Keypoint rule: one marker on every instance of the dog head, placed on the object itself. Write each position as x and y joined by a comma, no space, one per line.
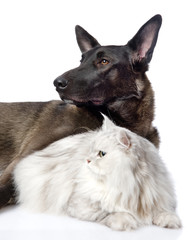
109,72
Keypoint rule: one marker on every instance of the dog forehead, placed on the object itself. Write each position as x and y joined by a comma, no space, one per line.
107,51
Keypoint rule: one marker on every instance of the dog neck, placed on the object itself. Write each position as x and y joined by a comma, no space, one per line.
121,111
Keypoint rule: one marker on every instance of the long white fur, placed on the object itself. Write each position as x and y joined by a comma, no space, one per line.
125,189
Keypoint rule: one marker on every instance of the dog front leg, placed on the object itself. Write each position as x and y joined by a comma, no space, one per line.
7,194
7,190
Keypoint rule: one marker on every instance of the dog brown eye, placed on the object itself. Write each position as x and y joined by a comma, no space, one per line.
104,62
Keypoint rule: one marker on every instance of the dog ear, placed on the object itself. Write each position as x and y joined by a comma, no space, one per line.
143,43
85,40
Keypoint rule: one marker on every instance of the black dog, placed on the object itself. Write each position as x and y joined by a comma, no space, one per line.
110,79
113,79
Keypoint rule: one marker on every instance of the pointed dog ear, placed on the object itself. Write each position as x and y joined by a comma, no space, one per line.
85,40
143,43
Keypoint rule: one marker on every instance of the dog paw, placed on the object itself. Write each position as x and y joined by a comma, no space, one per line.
121,222
167,220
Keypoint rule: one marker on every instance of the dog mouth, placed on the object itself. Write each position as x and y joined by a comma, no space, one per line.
79,101
98,101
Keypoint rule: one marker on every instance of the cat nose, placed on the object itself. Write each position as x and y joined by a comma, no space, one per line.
88,161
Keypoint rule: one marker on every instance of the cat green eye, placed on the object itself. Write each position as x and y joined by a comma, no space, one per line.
101,154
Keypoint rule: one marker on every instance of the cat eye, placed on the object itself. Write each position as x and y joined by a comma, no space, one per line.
101,154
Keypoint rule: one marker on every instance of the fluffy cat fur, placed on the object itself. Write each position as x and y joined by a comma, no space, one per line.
111,176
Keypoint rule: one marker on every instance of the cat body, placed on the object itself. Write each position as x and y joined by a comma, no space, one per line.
110,175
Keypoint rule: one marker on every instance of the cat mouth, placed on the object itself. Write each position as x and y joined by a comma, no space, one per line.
96,173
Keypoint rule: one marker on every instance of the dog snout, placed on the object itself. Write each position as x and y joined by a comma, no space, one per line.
60,83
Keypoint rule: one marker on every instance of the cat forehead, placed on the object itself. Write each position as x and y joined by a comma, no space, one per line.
108,133
106,138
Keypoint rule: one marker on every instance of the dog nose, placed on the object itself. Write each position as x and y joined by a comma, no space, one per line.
60,83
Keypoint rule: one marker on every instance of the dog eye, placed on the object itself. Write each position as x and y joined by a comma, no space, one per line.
101,154
104,62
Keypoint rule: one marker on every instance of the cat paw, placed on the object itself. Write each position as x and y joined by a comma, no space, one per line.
167,220
121,222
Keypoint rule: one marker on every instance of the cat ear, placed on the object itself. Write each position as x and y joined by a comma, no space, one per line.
107,123
123,139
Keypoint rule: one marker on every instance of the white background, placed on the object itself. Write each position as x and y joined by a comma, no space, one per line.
37,44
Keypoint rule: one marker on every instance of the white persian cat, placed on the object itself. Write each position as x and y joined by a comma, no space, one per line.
111,176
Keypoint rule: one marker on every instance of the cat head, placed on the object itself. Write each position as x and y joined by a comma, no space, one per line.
110,146
121,133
